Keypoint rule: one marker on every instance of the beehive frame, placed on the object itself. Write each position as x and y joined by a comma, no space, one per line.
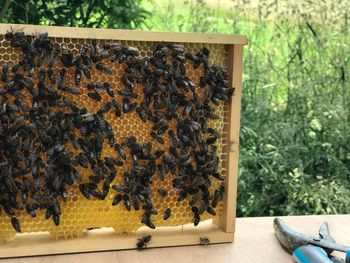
223,227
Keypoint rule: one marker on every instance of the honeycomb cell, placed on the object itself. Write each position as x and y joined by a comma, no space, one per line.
77,212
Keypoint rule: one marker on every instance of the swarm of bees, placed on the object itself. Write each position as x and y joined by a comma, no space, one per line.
39,122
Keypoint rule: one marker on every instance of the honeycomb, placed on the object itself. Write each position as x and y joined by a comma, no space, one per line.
79,213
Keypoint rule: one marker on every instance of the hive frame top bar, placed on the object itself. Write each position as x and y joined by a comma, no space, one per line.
131,35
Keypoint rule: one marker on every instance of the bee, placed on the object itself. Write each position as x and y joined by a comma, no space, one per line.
149,208
95,96
174,142
127,106
15,224
110,161
115,58
178,48
96,85
66,56
15,68
147,220
182,195
56,219
127,94
142,242
110,136
52,60
218,176
3,91
77,76
204,241
167,214
61,80
86,189
127,83
9,211
4,72
95,179
105,108
211,211
116,108
109,89
155,136
162,192
141,114
169,163
104,54
42,76
174,152
117,199
107,183
71,90
127,202
86,72
48,213
11,34
196,216
135,202
158,153
213,137
88,117
103,68
6,173
85,48
133,51
114,46
161,172
129,142
99,195
56,208
51,75
161,127
205,51
82,160
17,38
218,196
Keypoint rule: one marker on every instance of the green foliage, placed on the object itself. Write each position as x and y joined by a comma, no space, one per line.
94,13
295,119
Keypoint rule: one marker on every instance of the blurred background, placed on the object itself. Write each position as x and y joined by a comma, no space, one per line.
295,129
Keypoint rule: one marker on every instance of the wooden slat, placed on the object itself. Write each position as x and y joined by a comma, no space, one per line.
132,35
254,242
227,221
106,240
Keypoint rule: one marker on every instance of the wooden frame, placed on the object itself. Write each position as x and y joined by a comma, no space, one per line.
222,228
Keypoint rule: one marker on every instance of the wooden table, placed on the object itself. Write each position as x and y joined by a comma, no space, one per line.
254,242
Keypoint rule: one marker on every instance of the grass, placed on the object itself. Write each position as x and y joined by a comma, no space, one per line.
295,142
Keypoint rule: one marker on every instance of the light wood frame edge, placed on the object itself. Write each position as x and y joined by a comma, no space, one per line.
227,221
130,35
35,244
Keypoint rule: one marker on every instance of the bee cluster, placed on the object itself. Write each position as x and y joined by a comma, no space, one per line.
47,138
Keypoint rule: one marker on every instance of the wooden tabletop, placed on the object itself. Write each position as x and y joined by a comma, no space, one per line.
254,242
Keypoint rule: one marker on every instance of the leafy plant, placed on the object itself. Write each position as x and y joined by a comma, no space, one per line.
94,13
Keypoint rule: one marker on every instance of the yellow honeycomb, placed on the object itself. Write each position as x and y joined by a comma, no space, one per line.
78,213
